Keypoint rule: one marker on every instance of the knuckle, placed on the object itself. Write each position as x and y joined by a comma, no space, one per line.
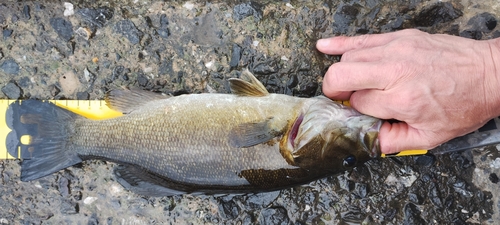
360,41
347,56
412,31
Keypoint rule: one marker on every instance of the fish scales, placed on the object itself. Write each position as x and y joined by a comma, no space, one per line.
190,146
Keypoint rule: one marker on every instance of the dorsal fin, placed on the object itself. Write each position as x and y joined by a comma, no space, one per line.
127,100
252,87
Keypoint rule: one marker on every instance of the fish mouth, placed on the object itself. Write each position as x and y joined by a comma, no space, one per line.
295,130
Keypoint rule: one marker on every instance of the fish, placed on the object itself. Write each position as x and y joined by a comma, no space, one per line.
248,141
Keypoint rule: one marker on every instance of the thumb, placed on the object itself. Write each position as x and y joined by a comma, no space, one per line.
396,137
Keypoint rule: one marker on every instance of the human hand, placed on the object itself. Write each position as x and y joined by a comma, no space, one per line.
439,86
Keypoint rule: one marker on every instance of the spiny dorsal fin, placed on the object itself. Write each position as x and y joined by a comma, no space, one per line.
252,87
127,100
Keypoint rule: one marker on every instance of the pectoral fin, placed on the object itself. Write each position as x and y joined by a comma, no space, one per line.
249,87
250,134
127,100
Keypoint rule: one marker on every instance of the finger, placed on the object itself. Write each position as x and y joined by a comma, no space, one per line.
340,45
371,54
400,136
337,95
353,76
375,103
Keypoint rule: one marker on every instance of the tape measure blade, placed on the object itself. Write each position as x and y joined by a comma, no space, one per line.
5,130
92,109
469,141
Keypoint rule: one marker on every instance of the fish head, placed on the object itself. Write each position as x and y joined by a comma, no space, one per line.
330,137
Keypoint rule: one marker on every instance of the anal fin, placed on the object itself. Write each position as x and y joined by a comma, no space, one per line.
142,182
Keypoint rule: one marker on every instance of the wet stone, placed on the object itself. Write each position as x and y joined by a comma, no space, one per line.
484,22
229,209
361,190
63,28
96,18
244,10
425,160
127,29
6,33
293,81
344,16
440,12
390,214
412,215
10,66
309,89
471,34
142,80
261,199
274,216
265,67
235,56
493,178
12,91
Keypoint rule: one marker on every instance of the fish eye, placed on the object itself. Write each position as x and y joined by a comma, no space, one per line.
349,161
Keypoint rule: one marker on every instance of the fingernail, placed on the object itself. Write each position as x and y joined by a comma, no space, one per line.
322,43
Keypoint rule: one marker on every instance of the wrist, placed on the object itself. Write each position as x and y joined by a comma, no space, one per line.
492,70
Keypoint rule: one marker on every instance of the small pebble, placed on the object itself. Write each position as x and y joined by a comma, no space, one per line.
188,5
89,200
495,164
127,29
26,12
10,66
96,18
493,178
54,90
82,95
440,12
84,33
484,22
7,33
12,91
14,18
68,9
63,28
235,56
244,10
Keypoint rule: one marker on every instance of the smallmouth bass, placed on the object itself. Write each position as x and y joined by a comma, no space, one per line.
248,141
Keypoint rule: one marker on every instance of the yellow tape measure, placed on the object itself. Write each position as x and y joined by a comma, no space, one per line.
98,110
92,109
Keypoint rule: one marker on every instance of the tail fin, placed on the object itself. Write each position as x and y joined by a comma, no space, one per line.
49,128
